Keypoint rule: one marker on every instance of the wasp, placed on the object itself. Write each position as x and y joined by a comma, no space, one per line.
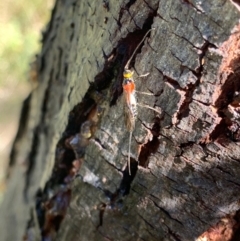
129,90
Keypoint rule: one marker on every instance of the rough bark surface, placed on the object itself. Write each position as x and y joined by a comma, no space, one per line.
68,178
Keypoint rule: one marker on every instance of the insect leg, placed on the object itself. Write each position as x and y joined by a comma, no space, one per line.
149,107
144,93
143,75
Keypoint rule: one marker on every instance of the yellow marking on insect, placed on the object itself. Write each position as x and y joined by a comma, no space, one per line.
127,74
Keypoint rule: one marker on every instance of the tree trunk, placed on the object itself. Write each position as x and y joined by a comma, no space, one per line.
68,176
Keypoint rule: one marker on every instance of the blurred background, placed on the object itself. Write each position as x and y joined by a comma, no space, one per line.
21,26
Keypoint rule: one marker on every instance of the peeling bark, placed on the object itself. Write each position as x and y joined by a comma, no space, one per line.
68,178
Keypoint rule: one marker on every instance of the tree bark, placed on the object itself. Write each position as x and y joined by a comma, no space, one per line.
68,176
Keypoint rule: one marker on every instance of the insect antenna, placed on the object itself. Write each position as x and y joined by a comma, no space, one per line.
127,64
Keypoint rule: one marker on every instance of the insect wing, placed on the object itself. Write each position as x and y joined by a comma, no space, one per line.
129,118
